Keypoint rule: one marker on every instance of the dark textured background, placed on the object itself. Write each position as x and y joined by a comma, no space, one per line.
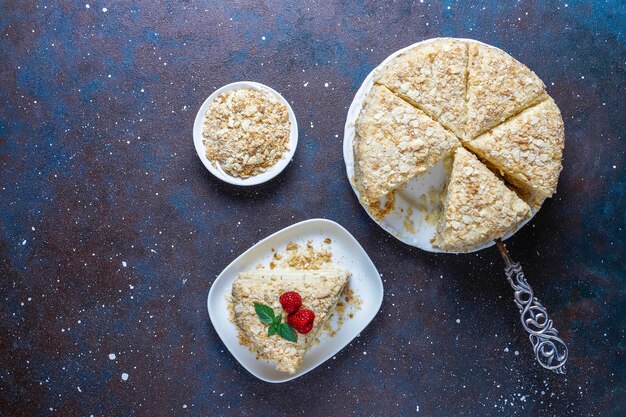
99,169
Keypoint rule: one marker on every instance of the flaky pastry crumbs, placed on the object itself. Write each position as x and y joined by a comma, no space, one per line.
346,307
246,131
305,258
435,202
381,212
408,223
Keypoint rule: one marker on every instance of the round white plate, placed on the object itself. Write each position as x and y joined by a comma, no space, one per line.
413,230
346,253
216,170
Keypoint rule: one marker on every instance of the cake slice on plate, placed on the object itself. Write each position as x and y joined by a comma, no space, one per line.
527,150
478,207
498,87
394,142
431,76
262,299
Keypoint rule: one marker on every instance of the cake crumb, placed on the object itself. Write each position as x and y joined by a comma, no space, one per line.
381,212
307,258
408,223
347,306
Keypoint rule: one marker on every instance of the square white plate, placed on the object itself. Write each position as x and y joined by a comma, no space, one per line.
347,253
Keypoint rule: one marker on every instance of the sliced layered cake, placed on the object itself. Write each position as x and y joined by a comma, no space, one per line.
281,312
395,141
526,150
478,207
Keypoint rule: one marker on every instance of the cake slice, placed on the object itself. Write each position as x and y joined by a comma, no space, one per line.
320,290
432,77
478,207
498,87
527,150
394,142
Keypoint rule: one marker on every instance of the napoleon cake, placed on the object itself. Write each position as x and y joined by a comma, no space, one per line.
395,142
281,312
526,150
432,77
460,97
478,207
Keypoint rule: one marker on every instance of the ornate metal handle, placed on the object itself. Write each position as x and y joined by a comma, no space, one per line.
550,350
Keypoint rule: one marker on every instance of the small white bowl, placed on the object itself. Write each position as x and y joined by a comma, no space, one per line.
216,170
347,253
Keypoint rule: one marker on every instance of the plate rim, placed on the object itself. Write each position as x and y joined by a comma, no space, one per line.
348,139
218,172
364,323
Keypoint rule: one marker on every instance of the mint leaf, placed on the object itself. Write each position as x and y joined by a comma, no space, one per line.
286,332
276,325
265,313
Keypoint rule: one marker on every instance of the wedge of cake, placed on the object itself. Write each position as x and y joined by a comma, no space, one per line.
498,87
394,142
318,291
432,76
527,150
478,207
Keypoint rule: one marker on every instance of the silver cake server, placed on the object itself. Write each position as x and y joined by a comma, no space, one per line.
550,350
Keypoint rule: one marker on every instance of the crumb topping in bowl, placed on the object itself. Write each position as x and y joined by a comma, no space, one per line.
246,131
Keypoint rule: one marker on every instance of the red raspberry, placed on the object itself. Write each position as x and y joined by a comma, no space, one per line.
306,328
291,302
302,320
